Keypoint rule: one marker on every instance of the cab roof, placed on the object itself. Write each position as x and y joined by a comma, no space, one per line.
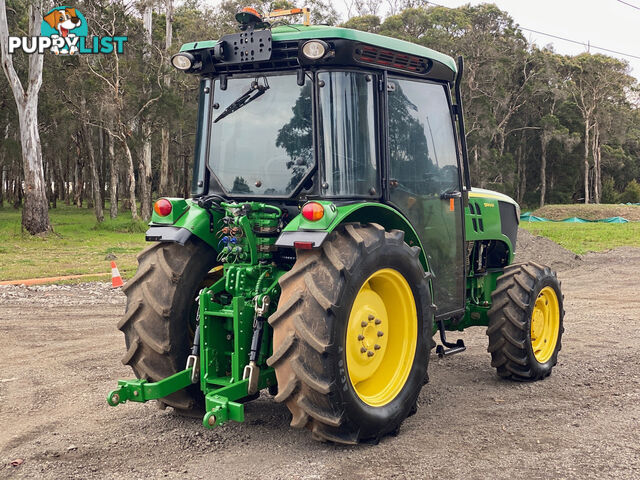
305,32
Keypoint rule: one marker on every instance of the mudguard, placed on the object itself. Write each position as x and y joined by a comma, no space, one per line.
187,219
299,229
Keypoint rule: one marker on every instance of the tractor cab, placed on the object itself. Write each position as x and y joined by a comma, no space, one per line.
299,112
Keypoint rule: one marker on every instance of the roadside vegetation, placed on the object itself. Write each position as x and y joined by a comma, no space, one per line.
588,237
543,127
77,245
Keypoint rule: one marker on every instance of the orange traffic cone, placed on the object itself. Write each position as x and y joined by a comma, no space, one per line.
116,279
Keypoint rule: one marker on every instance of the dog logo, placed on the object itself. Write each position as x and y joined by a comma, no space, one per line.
64,31
66,23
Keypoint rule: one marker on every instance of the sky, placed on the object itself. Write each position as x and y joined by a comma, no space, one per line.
604,23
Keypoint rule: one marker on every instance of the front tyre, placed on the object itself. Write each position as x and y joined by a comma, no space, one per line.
526,322
351,334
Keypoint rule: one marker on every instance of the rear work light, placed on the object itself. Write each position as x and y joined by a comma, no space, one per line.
313,211
162,207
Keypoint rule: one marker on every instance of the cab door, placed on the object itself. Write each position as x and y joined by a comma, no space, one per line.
424,181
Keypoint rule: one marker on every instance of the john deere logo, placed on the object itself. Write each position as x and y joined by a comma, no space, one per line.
64,31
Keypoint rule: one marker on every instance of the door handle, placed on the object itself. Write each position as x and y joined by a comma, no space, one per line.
448,195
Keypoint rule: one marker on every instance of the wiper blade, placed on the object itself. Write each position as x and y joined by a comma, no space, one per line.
246,98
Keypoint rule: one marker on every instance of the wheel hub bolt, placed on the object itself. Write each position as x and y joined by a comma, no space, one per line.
364,324
380,333
369,353
360,337
376,347
371,317
363,350
378,321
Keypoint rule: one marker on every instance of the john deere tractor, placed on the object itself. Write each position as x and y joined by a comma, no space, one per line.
332,233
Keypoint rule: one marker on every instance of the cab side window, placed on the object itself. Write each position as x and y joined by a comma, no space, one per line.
422,146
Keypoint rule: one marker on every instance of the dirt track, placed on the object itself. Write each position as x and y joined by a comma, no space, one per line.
60,354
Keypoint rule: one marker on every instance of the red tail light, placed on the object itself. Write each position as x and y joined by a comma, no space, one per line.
313,211
162,207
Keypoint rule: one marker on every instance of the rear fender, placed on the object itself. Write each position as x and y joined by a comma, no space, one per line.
302,230
187,220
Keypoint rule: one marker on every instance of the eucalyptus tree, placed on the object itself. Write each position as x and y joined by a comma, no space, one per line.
35,213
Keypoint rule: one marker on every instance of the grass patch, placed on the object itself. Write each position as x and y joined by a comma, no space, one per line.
77,245
588,237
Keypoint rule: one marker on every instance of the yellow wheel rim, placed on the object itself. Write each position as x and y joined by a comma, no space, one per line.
382,334
545,324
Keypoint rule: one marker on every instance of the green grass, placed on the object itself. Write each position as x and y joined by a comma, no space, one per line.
588,237
77,245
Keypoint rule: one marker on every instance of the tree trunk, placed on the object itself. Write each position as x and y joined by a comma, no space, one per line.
93,166
132,182
95,178
35,213
68,183
587,121
145,172
521,172
145,160
543,170
164,187
113,183
102,165
60,187
2,168
595,148
2,186
77,180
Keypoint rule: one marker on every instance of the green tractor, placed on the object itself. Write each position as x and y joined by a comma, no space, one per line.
333,231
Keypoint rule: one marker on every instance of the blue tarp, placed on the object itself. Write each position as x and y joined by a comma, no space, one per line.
529,217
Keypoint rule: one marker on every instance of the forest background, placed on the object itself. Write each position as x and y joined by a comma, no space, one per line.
113,132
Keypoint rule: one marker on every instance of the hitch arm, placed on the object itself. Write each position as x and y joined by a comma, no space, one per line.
141,391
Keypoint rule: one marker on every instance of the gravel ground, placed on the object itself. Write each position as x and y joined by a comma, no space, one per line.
61,354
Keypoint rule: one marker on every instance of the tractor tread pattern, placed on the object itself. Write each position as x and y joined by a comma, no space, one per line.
307,310
155,343
509,323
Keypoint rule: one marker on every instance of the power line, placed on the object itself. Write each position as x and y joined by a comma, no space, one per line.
581,43
564,38
629,4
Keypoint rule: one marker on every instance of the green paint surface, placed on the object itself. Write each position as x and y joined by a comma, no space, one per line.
304,32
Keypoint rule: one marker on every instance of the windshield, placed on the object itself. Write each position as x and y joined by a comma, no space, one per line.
264,146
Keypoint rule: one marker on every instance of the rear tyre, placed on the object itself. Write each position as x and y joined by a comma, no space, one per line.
351,335
160,306
526,322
